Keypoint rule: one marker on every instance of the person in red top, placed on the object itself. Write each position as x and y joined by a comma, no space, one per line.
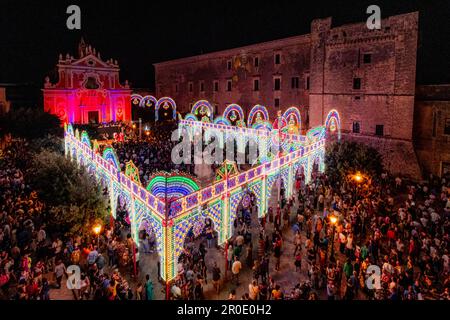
391,237
32,289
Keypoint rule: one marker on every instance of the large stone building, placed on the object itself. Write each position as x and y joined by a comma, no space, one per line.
368,76
432,128
88,89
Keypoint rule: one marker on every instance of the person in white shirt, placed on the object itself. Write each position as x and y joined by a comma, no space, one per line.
253,290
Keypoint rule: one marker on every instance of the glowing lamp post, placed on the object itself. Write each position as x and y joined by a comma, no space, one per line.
333,221
97,229
357,178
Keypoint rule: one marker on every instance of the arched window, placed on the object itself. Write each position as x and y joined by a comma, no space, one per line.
91,83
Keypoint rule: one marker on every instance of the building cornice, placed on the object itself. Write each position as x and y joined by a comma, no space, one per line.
253,48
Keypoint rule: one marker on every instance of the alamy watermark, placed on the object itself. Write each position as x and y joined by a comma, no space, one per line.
374,20
73,277
74,20
373,281
199,146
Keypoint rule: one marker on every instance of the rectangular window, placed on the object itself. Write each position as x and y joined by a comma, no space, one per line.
277,102
357,83
191,87
229,65
307,83
447,126
295,82
277,58
216,86
367,58
256,85
379,130
356,127
277,84
256,62
202,86
229,85
176,88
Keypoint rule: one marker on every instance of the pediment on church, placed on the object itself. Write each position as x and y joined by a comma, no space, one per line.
91,61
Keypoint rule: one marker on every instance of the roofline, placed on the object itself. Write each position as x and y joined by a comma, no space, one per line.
260,45
304,38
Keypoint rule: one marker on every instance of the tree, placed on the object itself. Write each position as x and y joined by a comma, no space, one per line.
343,158
74,197
30,123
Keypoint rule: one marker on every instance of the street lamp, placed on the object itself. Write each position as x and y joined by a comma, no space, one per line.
97,229
333,221
358,178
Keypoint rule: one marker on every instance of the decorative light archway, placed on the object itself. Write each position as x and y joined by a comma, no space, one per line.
110,156
230,114
333,122
222,120
190,117
202,109
85,139
148,102
136,99
164,102
293,119
258,114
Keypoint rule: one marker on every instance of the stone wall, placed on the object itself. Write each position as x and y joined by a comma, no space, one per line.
432,110
331,57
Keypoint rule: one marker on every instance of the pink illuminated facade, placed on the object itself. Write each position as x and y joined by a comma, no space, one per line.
88,90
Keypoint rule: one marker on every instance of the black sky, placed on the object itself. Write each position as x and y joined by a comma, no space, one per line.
139,33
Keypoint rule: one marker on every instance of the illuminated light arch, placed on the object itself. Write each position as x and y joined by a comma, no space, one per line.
85,139
145,102
175,186
231,110
262,126
162,103
190,117
110,156
333,122
198,109
258,109
136,99
70,129
222,120
180,117
293,114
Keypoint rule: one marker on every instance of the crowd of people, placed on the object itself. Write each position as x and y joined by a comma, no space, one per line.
23,237
151,153
34,260
379,237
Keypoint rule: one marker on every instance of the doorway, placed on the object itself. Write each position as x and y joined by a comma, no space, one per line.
93,117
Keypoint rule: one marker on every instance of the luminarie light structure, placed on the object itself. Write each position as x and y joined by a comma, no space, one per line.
173,204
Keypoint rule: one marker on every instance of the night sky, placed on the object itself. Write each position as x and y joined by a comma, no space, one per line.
140,33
